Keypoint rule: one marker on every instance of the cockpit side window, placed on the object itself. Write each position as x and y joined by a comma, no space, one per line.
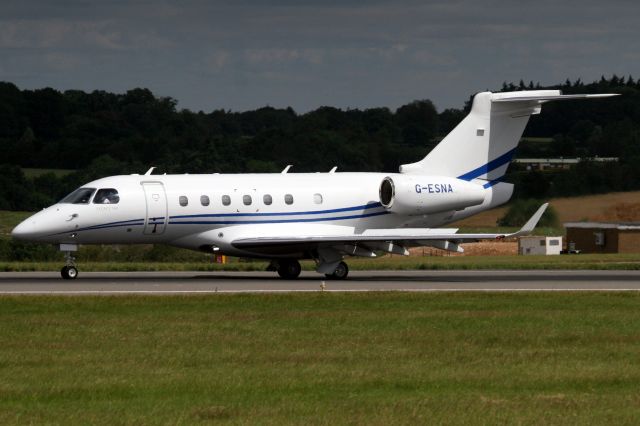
106,196
79,196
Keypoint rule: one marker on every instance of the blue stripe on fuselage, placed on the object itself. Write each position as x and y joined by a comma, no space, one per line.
345,209
104,226
242,222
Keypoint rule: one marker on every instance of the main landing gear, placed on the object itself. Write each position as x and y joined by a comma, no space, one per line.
341,272
289,269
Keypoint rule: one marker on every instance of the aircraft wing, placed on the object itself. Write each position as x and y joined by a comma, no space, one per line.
438,237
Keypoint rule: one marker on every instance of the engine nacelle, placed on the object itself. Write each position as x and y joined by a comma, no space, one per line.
415,194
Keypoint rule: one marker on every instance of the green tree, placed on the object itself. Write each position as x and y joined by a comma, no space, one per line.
419,122
520,211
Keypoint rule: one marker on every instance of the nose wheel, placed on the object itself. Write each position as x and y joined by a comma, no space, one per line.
69,271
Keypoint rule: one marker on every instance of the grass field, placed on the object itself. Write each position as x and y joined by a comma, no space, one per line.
376,358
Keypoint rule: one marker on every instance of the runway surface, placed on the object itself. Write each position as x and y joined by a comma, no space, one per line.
265,282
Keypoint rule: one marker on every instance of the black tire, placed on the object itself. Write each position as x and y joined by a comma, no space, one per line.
69,272
341,272
289,269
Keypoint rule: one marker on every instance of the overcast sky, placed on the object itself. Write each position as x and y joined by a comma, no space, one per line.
245,54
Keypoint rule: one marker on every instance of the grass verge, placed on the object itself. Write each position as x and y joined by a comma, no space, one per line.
372,358
583,261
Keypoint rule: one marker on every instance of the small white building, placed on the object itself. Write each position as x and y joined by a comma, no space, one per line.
532,245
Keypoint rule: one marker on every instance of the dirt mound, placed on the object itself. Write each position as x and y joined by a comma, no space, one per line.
621,212
491,248
483,248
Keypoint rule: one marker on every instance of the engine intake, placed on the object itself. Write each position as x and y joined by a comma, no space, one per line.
415,195
387,192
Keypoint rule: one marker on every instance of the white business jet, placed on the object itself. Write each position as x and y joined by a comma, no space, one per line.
321,216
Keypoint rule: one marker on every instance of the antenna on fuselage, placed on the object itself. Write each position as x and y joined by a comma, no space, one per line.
149,171
286,169
334,169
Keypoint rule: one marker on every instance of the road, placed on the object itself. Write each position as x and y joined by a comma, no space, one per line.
258,282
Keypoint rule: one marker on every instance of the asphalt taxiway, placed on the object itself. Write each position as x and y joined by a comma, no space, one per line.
265,282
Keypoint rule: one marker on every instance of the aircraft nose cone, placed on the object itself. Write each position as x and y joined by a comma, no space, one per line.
24,231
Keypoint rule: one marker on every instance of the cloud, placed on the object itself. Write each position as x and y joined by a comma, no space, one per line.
216,60
59,34
242,54
269,56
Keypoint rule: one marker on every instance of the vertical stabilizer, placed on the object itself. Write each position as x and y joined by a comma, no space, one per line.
483,144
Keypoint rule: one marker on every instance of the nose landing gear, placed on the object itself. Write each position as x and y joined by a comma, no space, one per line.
69,271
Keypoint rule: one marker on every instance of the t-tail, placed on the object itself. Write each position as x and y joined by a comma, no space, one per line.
481,147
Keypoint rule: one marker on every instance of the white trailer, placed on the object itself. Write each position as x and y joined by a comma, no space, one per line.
533,245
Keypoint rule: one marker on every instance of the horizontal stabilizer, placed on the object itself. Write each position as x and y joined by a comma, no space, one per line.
552,97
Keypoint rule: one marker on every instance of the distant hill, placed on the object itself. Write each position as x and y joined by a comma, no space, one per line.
613,207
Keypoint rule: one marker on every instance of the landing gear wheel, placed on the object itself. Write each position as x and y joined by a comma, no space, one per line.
69,272
341,272
289,269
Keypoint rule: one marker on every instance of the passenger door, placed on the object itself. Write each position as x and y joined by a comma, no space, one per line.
156,220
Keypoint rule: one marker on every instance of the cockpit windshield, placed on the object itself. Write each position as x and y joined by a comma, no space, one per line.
106,196
79,196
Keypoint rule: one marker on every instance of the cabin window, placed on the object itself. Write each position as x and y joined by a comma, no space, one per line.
183,200
226,200
246,200
317,198
106,196
267,200
79,196
204,200
288,199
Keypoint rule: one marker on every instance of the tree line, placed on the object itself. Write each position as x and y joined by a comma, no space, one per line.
100,133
